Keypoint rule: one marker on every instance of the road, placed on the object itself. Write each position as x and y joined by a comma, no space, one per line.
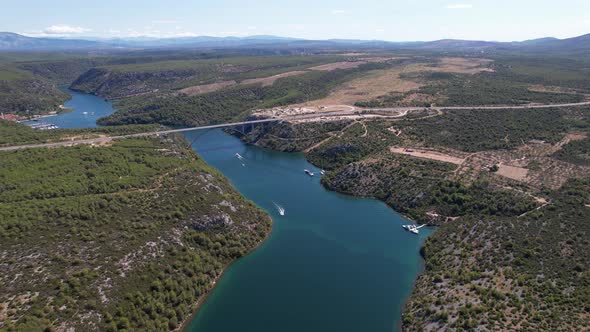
450,108
151,133
353,112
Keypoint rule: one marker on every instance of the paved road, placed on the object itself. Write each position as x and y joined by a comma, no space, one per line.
402,111
450,108
106,139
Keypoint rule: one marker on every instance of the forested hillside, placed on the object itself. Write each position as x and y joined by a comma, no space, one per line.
525,274
121,237
227,103
510,253
23,93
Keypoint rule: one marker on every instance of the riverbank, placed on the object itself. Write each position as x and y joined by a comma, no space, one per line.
195,310
508,274
165,210
348,254
416,188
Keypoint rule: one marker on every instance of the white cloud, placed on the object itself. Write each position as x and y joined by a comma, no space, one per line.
379,30
63,30
338,11
459,6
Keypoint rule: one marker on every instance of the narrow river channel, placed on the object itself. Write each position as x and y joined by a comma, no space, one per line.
332,262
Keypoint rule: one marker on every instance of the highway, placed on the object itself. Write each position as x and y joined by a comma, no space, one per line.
151,133
360,112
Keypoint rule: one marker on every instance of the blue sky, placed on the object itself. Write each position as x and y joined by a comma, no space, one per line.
400,20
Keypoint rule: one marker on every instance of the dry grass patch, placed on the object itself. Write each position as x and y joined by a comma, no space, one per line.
428,154
551,89
512,172
374,84
266,81
461,65
378,83
338,65
206,88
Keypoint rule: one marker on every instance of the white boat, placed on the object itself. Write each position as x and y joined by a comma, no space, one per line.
239,156
280,209
308,172
84,113
412,228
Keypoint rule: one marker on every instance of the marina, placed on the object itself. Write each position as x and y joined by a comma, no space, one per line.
42,125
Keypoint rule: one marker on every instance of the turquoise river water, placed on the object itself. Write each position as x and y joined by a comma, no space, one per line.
332,262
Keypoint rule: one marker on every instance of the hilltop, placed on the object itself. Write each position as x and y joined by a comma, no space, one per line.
10,41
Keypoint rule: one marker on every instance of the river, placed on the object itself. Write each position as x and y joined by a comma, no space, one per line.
332,262
83,111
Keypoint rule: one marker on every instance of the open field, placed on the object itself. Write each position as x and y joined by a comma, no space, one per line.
338,65
428,154
206,88
529,164
384,82
269,80
266,81
512,172
460,65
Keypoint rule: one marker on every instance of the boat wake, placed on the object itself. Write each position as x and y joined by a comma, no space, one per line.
280,209
240,158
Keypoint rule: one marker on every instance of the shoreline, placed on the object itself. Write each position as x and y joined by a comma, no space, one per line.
422,259
199,303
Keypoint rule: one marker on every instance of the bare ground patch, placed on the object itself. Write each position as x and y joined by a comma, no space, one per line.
375,84
338,65
266,81
428,154
512,172
206,88
530,164
552,89
383,82
461,65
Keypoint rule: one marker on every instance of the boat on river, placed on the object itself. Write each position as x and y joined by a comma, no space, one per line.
308,172
412,228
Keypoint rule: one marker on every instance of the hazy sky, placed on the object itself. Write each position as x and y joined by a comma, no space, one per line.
396,20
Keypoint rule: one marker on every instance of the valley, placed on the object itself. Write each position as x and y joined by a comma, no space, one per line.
113,222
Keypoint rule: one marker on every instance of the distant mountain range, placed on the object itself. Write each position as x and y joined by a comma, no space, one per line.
14,42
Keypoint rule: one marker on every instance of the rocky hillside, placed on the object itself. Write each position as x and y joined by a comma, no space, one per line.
507,256
508,274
